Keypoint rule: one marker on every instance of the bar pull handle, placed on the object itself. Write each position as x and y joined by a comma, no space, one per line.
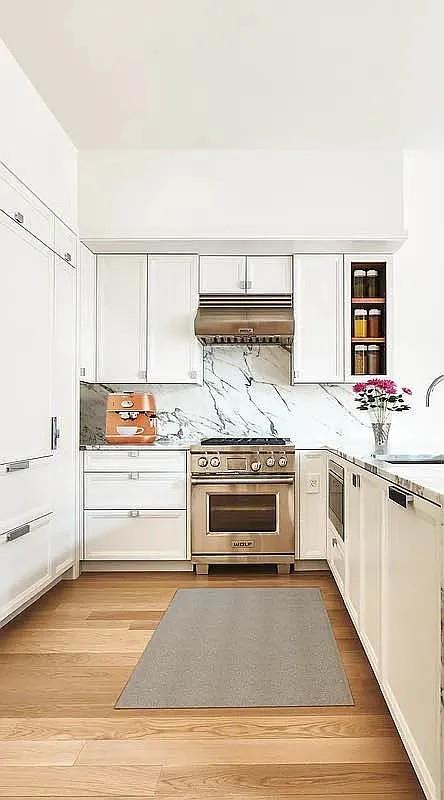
134,513
356,480
67,257
403,499
18,216
55,433
16,466
17,533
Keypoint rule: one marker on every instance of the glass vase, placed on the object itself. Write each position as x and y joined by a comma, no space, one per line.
381,432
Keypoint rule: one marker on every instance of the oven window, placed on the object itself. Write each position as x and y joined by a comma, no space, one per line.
336,503
243,513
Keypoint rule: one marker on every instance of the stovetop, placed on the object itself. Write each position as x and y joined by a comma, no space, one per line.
244,442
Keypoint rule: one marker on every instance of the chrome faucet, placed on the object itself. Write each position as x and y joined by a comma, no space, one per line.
431,388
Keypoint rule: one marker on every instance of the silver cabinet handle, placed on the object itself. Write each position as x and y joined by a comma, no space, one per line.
55,433
334,542
17,533
82,372
249,284
142,373
133,453
356,480
248,480
242,285
134,513
18,216
67,257
133,476
403,499
16,466
192,374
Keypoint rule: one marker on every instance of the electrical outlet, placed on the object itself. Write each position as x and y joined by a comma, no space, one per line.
313,483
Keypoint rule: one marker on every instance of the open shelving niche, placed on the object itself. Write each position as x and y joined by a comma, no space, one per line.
368,303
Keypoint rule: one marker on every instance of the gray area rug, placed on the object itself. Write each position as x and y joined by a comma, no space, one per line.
239,648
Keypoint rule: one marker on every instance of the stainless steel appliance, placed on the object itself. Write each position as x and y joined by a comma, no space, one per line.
245,319
336,497
243,502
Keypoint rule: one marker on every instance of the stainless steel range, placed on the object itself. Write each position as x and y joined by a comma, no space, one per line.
243,502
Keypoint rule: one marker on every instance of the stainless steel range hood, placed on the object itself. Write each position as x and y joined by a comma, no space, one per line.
244,325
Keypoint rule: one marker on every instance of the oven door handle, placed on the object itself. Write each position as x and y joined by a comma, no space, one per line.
253,480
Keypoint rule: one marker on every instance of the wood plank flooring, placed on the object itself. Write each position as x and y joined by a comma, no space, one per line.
64,662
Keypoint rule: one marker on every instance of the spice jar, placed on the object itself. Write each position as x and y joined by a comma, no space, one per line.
360,359
360,323
374,323
372,283
374,359
359,283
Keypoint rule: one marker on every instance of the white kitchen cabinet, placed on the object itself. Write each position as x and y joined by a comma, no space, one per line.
318,352
135,535
64,507
269,274
121,460
25,564
22,206
352,527
373,493
25,492
134,490
312,505
65,242
87,315
222,275
121,318
336,556
26,330
174,354
411,617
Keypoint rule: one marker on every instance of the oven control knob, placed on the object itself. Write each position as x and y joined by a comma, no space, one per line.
255,466
283,461
215,461
202,461
270,462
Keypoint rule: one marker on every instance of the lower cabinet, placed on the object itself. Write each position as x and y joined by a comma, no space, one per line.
336,556
135,507
411,619
312,505
373,494
352,526
138,535
25,564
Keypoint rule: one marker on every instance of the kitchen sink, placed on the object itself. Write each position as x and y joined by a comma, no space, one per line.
413,459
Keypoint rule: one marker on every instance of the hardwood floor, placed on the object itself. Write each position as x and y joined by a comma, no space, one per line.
64,662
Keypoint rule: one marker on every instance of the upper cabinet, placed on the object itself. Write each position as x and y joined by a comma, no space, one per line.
368,316
121,318
174,354
222,274
319,329
245,275
269,275
87,314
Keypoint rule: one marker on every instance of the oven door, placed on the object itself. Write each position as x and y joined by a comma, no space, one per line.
241,516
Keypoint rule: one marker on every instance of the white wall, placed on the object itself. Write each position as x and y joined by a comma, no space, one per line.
33,144
235,193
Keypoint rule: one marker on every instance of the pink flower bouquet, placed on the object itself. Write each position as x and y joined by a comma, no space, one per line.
381,396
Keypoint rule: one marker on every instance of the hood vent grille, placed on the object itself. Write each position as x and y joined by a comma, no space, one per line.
244,301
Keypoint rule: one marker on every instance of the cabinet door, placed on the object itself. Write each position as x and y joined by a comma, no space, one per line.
335,555
222,275
269,274
137,535
372,521
174,354
318,307
63,533
411,627
352,528
25,208
25,564
121,318
312,506
26,319
87,315
134,490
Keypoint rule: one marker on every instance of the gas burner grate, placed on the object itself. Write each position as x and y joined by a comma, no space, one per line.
264,440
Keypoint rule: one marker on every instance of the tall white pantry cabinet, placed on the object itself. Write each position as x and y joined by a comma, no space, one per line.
38,402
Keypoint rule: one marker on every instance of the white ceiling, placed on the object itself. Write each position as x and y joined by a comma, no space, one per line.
235,73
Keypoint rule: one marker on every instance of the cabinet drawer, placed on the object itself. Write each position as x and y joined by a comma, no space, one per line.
25,564
336,557
116,490
65,242
25,492
134,461
20,204
151,535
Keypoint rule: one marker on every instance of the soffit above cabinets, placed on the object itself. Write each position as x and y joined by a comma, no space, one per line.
249,246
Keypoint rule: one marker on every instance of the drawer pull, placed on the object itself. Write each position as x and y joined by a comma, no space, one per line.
356,480
134,476
18,216
134,513
17,533
16,466
67,257
403,499
334,542
133,453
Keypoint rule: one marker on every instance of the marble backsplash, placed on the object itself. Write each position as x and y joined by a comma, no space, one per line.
246,392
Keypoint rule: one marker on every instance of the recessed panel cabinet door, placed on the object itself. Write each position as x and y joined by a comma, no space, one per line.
372,521
26,322
174,354
352,486
222,275
269,274
87,315
121,318
318,307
